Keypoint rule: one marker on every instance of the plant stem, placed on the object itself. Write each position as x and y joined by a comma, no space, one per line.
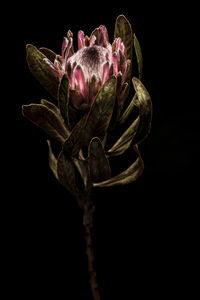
88,224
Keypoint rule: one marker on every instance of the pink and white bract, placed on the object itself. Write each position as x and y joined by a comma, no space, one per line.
89,68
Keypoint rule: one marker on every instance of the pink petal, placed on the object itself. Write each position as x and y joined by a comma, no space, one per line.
115,63
69,46
111,70
92,40
105,72
64,46
69,34
53,68
118,43
126,69
105,36
81,42
70,74
80,80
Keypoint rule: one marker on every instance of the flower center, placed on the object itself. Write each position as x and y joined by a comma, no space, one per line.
91,60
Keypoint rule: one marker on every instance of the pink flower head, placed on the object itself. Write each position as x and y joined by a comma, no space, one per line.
91,66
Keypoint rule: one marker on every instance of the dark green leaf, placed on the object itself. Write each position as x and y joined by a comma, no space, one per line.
73,144
138,55
46,119
127,176
123,30
125,140
52,161
66,173
41,71
145,111
101,111
63,98
128,111
98,163
48,53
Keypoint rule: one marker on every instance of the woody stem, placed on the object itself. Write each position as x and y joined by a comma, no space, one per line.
88,224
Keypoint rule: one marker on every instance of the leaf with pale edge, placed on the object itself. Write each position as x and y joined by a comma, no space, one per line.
48,53
127,176
145,111
101,111
123,30
46,119
41,71
125,140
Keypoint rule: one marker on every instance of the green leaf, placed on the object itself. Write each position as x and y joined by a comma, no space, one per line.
128,110
41,71
138,55
66,173
63,98
125,140
123,30
127,176
100,114
98,163
74,142
48,53
46,119
145,111
52,161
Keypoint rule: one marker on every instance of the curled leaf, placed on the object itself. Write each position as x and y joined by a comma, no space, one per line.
46,119
41,70
48,53
125,140
98,163
145,111
127,176
128,111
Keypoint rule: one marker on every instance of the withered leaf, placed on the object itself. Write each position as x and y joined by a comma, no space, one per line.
46,119
98,163
41,71
127,176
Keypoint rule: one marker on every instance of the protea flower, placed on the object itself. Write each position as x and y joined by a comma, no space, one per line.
91,86
90,67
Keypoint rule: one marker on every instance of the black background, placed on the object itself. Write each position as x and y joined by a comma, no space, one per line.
144,233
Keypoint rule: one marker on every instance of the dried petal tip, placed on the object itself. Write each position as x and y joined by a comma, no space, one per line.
81,42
